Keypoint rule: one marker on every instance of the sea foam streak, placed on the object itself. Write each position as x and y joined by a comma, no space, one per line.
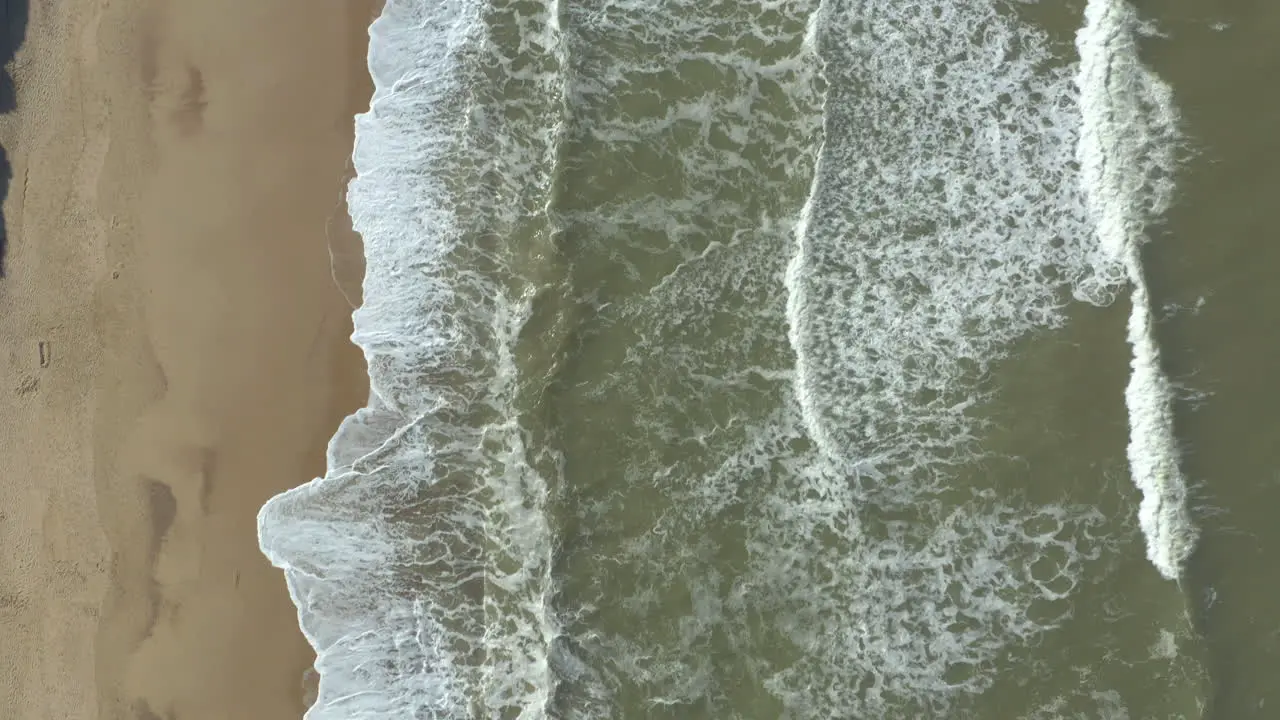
944,223
1127,139
420,563
941,224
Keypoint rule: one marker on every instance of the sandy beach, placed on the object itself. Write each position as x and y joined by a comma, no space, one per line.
174,346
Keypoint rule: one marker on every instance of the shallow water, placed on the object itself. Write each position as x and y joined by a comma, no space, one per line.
797,360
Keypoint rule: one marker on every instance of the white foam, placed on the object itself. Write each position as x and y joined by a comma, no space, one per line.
1127,140
944,223
1101,705
863,617
420,563
945,217
903,618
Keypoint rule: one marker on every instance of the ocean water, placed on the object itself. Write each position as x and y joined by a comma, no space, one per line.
784,359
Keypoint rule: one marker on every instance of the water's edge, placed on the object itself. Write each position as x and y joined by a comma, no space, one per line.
363,546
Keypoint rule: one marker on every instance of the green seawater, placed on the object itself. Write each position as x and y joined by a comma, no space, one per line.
768,363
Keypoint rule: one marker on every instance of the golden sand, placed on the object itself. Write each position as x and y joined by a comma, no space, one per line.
173,348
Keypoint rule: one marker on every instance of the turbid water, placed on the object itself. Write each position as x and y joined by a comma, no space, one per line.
814,359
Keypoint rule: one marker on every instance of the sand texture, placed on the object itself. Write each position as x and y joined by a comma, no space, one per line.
173,348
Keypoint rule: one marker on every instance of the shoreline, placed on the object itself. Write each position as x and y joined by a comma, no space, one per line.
180,345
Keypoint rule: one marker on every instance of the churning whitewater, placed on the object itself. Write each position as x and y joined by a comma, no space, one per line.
685,324
1127,163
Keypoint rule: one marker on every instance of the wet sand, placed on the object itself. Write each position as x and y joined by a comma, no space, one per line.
173,347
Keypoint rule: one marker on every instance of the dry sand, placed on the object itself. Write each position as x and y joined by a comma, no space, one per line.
173,349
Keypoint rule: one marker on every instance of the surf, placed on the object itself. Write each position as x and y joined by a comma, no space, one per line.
678,379
420,562
1128,138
